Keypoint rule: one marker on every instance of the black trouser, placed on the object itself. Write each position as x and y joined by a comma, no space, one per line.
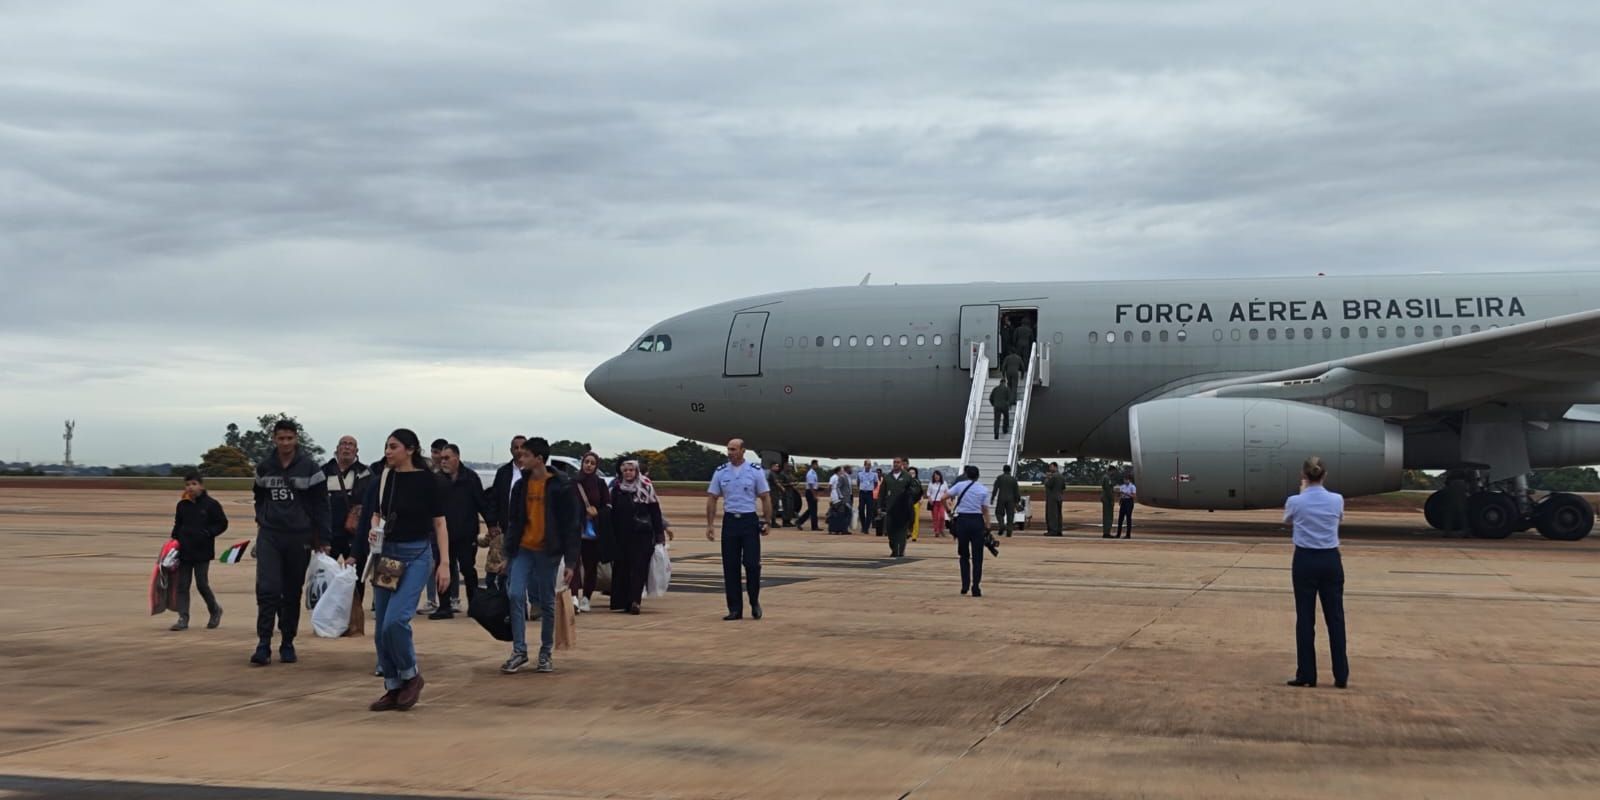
868,510
968,530
741,545
589,554
1002,416
1318,573
340,543
811,511
281,560
199,574
463,569
1125,514
1052,517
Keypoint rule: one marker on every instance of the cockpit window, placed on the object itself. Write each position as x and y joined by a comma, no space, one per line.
659,343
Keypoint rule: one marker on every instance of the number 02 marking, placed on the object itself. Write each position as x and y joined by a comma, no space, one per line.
697,408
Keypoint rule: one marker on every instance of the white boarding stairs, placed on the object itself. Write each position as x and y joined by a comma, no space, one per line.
979,447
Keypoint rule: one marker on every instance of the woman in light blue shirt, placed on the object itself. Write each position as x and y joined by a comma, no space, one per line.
968,500
1317,572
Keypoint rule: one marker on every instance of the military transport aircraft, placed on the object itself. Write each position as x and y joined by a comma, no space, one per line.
1215,389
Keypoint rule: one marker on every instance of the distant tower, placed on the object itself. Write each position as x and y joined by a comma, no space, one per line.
67,465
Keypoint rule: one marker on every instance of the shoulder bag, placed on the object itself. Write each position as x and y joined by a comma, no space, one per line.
387,571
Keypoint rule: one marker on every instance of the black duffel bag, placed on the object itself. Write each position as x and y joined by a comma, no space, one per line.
492,609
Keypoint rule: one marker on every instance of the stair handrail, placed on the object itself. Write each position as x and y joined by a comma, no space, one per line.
980,377
1019,417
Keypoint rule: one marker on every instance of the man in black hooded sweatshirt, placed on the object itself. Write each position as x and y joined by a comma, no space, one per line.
292,515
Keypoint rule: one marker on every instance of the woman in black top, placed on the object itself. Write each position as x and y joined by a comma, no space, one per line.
408,524
638,527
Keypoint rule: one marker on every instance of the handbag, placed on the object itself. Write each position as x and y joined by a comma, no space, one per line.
386,571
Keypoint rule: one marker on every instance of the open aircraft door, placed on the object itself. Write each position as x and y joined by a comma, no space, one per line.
743,358
979,324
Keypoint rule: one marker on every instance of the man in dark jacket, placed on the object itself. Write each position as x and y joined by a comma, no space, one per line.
543,527
1007,496
196,526
347,478
507,476
465,502
1000,398
901,494
291,500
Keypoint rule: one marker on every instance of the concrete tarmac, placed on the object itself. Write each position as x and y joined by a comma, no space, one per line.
1151,667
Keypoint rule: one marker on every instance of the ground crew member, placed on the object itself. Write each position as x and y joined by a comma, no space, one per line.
1108,500
775,510
1007,496
1011,367
901,493
968,501
743,488
1055,489
811,498
867,484
1127,493
1318,573
1001,399
291,503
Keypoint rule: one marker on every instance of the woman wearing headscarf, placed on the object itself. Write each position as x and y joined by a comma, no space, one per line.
637,526
597,511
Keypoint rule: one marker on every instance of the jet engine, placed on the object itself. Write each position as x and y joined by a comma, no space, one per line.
1239,452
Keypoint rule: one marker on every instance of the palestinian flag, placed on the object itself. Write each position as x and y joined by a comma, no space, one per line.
235,554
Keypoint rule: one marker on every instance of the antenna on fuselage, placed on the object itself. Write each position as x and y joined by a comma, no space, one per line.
865,280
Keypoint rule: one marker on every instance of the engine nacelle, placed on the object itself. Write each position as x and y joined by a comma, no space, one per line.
1238,452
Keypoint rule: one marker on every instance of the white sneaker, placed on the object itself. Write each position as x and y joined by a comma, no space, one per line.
583,605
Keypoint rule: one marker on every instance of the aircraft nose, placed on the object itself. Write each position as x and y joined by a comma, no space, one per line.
602,386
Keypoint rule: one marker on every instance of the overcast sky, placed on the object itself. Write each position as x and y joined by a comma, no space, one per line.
442,215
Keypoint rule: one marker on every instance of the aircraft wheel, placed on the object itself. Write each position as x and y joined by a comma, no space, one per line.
1433,511
1492,515
1565,517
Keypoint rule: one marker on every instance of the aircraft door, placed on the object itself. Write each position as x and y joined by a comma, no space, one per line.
979,324
743,358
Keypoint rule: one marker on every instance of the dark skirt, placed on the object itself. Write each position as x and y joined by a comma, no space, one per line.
631,567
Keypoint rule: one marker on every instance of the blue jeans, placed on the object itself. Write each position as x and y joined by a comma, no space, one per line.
536,572
397,653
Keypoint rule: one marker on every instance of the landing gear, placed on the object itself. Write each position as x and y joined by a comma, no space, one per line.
1564,517
1492,515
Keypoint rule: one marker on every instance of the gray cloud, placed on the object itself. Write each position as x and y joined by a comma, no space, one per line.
482,183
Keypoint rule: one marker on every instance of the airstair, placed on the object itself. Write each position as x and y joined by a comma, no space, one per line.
979,447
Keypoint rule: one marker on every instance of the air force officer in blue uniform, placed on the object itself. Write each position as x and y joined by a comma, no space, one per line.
1318,574
745,498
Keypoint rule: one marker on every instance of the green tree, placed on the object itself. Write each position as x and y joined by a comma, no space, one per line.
1418,479
569,448
257,444
1566,479
652,460
1032,469
226,462
689,460
1087,471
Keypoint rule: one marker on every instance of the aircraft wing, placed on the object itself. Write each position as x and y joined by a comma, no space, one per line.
1554,362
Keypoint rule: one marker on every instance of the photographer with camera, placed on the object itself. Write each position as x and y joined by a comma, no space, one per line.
968,501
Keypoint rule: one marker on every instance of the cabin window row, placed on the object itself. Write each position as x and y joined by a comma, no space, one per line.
880,342
1292,334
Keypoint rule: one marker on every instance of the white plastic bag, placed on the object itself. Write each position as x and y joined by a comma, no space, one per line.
331,616
655,583
323,566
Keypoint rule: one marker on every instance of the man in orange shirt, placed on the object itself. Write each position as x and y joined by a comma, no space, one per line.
542,531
